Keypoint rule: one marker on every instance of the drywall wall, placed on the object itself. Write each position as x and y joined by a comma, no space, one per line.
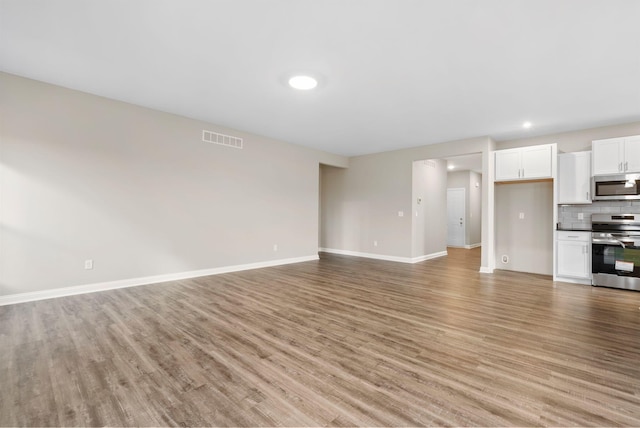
429,210
360,204
575,141
474,234
473,203
138,192
527,241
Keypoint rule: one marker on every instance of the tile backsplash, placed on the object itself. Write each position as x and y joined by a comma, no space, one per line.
568,214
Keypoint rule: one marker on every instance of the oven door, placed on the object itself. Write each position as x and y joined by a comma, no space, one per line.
616,261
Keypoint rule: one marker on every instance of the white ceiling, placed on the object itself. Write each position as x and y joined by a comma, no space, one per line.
393,73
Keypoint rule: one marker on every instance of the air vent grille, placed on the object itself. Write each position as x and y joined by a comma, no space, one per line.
221,139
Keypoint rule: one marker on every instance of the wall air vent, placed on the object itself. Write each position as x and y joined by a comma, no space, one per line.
221,139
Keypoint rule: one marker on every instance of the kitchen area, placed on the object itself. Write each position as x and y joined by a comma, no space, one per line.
597,241
572,214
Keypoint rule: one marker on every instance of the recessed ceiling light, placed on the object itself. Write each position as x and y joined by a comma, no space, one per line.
527,125
451,167
302,82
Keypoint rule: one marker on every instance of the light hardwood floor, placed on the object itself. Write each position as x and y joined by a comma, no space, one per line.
341,341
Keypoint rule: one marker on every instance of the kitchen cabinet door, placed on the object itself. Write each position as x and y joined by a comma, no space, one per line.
574,255
507,164
536,162
607,156
632,154
525,163
574,178
573,260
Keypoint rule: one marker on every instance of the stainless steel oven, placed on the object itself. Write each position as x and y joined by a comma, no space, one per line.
616,250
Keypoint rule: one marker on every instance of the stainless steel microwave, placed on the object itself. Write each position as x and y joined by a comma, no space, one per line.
615,187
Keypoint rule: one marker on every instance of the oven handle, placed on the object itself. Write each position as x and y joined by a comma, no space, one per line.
609,242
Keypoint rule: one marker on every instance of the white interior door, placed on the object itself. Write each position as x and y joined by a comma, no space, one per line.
455,217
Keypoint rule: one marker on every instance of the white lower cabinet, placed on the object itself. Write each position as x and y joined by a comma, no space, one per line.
574,256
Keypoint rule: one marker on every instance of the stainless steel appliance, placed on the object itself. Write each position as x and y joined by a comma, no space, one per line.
615,187
615,241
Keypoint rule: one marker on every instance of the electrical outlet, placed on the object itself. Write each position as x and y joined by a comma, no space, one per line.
400,213
521,216
580,216
375,243
505,259
88,264
275,247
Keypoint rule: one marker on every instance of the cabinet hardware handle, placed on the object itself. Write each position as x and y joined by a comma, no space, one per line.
626,166
620,167
587,195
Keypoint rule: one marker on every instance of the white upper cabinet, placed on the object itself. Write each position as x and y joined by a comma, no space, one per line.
632,154
524,163
574,178
616,155
508,164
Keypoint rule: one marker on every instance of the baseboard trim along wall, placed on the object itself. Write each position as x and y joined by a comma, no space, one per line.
384,257
468,247
134,282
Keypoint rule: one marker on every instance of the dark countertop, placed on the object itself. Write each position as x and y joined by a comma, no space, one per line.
573,230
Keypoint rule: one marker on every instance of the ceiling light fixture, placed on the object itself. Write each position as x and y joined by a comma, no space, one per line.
302,82
527,125
451,167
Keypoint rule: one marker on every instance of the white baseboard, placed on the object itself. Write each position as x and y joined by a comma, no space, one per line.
484,269
468,247
384,257
572,280
429,257
133,282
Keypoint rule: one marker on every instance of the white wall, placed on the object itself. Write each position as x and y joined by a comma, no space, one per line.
137,191
528,242
474,235
429,217
361,203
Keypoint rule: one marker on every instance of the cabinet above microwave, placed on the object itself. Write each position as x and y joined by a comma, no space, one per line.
616,155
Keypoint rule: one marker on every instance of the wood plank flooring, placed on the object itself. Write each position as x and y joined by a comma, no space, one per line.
341,341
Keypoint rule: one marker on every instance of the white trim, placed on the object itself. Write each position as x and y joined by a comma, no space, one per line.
429,257
367,255
484,269
382,256
468,247
572,280
134,282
